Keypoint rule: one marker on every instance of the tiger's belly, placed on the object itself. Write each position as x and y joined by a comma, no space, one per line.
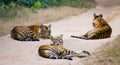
48,51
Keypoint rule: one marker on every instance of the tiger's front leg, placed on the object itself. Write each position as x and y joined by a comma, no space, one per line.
88,35
85,36
91,36
31,36
21,38
49,54
35,38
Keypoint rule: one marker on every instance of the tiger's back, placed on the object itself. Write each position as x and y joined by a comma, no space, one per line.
100,33
21,33
101,29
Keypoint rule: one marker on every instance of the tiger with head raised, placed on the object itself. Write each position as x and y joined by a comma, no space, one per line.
57,51
31,33
101,29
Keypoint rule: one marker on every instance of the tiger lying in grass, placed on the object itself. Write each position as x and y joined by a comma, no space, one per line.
57,51
31,33
101,29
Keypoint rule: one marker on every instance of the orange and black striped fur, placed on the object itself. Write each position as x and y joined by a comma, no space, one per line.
57,51
101,29
31,33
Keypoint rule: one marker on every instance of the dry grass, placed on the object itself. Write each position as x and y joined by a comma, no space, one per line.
25,17
109,54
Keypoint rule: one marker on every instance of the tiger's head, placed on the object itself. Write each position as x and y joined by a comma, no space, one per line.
57,40
41,31
98,21
45,31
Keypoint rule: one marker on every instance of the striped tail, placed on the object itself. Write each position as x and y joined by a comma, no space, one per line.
76,37
71,54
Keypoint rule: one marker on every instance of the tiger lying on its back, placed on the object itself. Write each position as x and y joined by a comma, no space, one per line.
31,33
101,29
57,51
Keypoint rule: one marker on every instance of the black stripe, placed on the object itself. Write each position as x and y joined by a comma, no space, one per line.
21,33
102,33
105,32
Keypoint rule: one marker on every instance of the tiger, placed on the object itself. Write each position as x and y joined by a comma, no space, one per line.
31,33
101,29
55,50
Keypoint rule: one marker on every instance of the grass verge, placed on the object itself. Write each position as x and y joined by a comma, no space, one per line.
108,55
26,17
14,13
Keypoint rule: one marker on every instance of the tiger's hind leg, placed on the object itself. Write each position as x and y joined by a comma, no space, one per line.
35,38
24,39
88,36
20,37
69,57
92,36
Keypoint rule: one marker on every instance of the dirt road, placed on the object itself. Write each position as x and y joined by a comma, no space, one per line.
14,52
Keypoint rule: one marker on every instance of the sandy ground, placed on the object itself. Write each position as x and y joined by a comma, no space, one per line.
14,52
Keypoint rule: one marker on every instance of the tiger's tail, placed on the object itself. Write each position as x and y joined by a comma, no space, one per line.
75,54
76,37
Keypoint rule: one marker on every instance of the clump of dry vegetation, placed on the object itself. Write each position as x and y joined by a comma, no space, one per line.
109,54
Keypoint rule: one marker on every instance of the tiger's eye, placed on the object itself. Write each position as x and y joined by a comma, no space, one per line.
42,31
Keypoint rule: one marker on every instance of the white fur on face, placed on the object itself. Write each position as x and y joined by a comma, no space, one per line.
39,30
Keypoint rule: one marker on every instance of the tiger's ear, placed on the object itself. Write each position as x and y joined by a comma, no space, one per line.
51,37
41,25
101,15
49,27
94,15
61,36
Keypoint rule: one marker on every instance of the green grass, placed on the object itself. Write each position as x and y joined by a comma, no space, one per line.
48,3
9,9
71,3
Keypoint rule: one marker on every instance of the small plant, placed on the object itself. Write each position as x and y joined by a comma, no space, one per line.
7,12
37,5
